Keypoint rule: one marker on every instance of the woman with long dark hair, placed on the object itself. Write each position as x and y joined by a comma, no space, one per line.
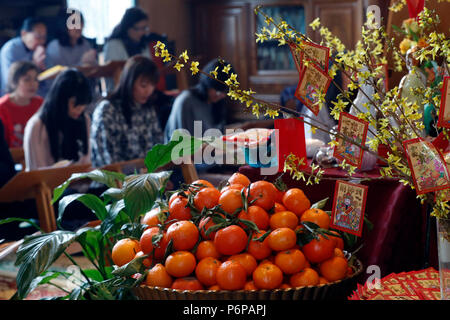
60,129
125,126
128,39
70,48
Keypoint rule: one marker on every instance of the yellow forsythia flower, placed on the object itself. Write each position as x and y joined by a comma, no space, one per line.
194,67
184,56
178,66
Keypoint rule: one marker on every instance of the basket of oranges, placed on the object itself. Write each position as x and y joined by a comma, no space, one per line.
244,241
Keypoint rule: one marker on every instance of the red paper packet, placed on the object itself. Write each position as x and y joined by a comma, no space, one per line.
312,81
348,207
428,168
356,129
291,139
444,109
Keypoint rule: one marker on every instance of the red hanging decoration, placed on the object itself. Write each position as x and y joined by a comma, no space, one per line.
414,7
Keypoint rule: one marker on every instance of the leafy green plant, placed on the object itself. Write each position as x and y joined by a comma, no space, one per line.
119,210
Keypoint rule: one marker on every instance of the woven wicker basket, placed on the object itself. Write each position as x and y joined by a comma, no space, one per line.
336,290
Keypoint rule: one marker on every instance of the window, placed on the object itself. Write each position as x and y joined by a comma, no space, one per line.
270,55
100,16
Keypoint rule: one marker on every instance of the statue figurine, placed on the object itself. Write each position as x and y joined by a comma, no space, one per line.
434,77
413,80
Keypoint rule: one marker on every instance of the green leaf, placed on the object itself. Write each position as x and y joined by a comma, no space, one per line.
9,220
132,267
320,204
108,178
250,224
399,29
112,194
179,146
111,222
44,279
90,242
95,275
37,253
89,200
141,191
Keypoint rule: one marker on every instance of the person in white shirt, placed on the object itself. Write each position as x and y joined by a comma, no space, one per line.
128,39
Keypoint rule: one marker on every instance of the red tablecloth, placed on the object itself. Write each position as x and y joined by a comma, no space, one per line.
397,240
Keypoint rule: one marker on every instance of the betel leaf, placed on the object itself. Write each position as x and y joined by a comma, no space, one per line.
89,200
37,253
320,204
141,191
180,145
108,178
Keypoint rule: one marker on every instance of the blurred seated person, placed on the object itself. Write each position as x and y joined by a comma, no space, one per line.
203,102
24,209
127,39
60,129
288,99
70,48
126,125
21,103
28,46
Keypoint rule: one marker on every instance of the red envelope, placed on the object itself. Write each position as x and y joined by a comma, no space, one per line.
441,142
291,137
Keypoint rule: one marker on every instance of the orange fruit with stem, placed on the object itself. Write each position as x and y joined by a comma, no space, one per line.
317,216
267,276
283,219
290,261
146,240
334,268
282,239
231,201
124,251
206,198
246,260
187,283
158,277
306,277
259,249
231,275
318,250
180,264
206,249
179,209
151,218
239,178
257,215
230,240
184,235
206,271
295,200
263,194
